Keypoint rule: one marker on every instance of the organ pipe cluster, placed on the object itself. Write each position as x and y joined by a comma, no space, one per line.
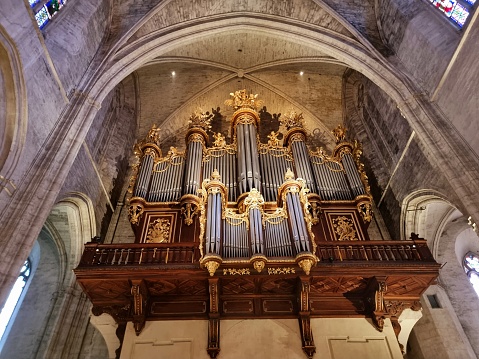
254,201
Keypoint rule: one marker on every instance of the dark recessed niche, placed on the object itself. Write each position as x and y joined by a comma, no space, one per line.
433,301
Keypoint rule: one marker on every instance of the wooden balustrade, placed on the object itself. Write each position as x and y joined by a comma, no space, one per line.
184,253
139,254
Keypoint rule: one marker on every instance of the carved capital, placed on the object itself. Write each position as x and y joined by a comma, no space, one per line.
375,301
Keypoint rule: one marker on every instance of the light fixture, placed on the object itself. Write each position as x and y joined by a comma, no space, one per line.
173,73
301,73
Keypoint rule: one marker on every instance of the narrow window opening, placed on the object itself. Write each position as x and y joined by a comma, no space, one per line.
433,301
13,297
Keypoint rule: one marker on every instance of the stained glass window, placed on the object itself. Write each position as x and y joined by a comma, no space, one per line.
45,10
42,17
459,14
456,10
14,296
471,267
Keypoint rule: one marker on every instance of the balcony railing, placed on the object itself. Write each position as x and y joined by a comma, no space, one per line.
188,253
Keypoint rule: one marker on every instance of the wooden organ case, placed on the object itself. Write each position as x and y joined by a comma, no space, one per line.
252,230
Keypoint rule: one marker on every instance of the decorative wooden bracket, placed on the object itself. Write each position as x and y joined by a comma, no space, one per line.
213,348
394,308
375,301
189,211
121,315
304,318
140,298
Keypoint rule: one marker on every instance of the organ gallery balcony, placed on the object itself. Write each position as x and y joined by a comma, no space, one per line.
253,230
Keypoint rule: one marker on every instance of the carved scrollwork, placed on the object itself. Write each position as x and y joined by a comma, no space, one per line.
159,231
134,214
344,228
366,211
292,120
284,270
240,99
201,119
340,133
189,211
235,271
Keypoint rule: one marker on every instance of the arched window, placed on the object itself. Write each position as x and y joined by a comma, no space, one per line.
471,266
456,11
14,296
44,10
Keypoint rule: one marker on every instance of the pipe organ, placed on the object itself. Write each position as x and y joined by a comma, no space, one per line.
243,229
247,200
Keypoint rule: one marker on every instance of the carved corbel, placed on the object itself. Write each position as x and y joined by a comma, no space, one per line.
375,301
307,339
394,308
189,211
213,347
140,298
120,314
134,213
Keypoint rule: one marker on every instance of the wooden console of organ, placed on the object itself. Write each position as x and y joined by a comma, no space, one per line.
252,230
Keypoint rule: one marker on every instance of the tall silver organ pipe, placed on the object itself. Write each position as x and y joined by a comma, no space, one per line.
222,158
330,177
196,141
274,161
144,175
244,127
167,178
216,192
296,139
298,224
290,193
352,173
256,231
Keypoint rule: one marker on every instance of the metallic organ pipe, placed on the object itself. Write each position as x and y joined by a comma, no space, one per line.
144,178
352,174
303,166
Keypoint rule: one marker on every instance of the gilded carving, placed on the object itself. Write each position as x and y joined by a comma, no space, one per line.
212,266
219,140
258,266
273,140
292,120
340,133
284,270
306,265
234,271
201,119
189,211
344,228
153,135
254,200
366,211
240,99
159,231
134,214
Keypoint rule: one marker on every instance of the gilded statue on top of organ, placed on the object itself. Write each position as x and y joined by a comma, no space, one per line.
266,203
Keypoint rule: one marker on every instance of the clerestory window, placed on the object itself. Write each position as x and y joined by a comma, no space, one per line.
457,11
471,267
45,10
13,297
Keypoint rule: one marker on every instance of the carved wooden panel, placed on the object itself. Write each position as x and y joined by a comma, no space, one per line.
411,285
107,290
277,306
279,285
178,308
177,287
321,285
238,285
238,306
342,224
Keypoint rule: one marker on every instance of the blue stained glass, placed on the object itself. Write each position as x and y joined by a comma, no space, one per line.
445,6
472,2
459,14
42,17
33,2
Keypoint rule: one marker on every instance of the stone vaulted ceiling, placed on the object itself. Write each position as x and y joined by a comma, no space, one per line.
207,68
